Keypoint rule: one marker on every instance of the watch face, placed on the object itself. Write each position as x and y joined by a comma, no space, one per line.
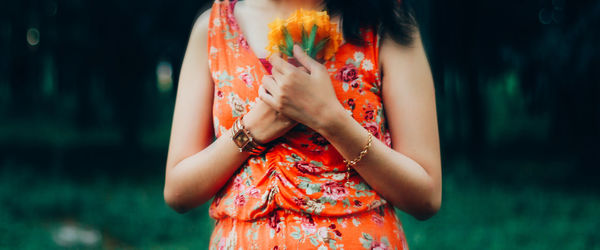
240,138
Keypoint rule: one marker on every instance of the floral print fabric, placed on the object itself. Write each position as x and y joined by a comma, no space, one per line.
285,229
296,192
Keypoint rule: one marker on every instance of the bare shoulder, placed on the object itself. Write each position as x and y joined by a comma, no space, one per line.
200,27
406,67
391,51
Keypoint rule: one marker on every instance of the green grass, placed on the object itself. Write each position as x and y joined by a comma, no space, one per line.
479,216
131,213
126,212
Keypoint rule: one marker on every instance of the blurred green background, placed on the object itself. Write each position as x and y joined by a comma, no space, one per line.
87,91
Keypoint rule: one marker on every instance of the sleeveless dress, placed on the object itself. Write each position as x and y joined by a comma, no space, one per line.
294,195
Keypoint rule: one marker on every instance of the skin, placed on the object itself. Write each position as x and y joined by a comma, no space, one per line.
408,175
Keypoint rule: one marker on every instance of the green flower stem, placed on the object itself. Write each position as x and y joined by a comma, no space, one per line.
307,44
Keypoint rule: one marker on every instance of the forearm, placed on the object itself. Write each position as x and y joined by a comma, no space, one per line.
398,178
196,179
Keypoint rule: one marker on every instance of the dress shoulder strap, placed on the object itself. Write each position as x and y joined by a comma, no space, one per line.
215,25
218,32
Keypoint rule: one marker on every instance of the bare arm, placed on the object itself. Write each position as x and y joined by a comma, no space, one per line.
196,168
407,175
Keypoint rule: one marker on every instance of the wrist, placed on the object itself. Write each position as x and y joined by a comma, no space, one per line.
333,120
244,139
254,128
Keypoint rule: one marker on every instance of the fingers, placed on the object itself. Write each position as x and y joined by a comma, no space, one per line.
304,59
267,98
281,65
303,69
278,72
270,85
279,78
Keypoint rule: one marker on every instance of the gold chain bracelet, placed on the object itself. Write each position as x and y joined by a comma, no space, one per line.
352,163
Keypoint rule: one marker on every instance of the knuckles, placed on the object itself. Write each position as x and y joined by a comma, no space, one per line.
320,69
288,78
278,106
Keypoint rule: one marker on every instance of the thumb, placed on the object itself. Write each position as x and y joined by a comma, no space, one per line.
304,59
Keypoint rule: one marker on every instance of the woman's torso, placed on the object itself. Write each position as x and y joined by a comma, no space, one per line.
302,172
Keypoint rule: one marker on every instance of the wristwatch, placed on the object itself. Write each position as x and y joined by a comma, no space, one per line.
244,140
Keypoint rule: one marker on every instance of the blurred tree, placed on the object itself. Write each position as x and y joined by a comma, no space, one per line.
94,65
478,41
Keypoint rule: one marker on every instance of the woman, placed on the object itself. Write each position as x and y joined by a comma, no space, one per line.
335,146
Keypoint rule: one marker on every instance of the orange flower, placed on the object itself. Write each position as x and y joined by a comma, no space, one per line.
312,30
334,42
322,21
294,25
275,35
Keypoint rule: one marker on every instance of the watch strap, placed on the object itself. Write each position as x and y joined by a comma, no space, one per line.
244,139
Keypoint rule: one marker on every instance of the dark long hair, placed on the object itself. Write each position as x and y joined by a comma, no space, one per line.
389,17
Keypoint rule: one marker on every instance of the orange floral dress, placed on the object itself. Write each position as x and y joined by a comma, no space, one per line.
294,195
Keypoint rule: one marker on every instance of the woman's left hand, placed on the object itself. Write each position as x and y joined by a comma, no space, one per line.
307,97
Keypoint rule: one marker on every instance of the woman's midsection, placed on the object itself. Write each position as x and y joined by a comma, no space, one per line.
375,228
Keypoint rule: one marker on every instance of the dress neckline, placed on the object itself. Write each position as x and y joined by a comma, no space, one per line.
242,38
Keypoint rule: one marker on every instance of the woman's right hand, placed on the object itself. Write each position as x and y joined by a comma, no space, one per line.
265,124
198,166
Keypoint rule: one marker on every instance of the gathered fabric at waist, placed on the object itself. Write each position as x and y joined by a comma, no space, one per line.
297,180
379,228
